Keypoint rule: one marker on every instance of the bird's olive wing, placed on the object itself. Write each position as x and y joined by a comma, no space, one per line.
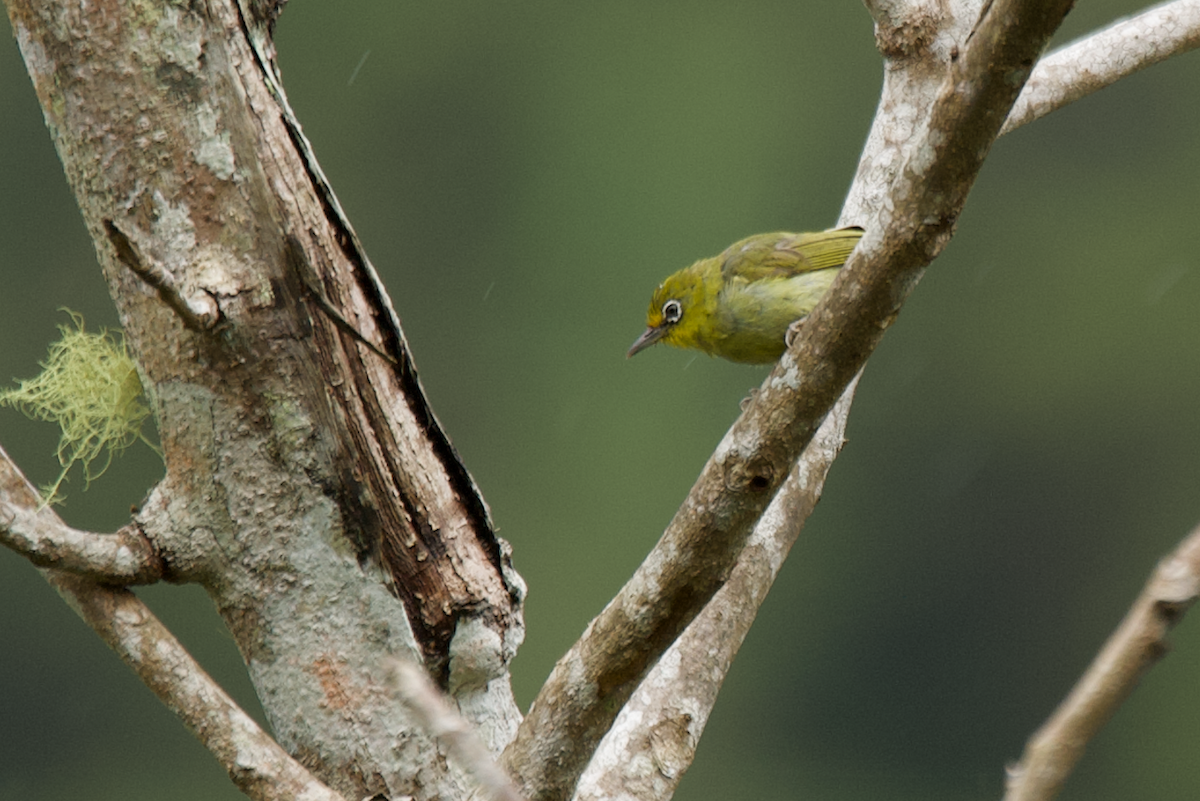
781,255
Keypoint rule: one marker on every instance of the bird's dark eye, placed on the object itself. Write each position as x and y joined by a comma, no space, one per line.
672,310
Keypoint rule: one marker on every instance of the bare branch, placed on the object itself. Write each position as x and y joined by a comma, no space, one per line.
1103,58
654,739
256,763
421,695
1138,643
36,532
593,680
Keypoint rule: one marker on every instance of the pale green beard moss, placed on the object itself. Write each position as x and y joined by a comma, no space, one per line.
90,387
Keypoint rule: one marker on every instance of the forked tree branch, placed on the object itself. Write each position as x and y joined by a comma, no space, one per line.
653,741
1104,57
712,527
699,548
309,487
1137,644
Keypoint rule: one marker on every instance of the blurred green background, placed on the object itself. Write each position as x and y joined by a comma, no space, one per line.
1024,447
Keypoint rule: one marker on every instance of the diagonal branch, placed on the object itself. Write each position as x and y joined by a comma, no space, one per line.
1137,644
412,685
595,678
654,739
255,762
1103,58
36,532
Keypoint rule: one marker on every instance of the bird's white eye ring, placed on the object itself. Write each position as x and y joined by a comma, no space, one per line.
672,310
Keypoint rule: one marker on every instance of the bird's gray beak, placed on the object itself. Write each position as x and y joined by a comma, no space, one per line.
648,338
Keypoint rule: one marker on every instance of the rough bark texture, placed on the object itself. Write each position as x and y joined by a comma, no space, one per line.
309,487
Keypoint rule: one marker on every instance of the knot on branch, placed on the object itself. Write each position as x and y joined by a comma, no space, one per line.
911,34
755,475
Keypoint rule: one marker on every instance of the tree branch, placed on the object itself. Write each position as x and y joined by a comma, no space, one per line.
256,763
907,227
199,312
697,552
33,530
1103,58
1137,644
654,739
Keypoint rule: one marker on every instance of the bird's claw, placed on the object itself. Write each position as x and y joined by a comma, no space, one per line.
793,331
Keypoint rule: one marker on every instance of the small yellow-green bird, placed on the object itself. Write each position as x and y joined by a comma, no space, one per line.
739,305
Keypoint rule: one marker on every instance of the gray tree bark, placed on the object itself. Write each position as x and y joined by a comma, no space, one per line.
309,488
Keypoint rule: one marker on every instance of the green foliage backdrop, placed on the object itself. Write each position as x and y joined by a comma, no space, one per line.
1025,444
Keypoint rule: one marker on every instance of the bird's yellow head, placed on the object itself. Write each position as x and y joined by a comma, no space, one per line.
681,308
740,305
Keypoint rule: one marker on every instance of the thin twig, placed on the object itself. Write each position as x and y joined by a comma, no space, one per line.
199,313
33,530
1138,643
1103,58
418,692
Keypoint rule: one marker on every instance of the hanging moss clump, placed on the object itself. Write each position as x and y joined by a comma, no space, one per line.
89,386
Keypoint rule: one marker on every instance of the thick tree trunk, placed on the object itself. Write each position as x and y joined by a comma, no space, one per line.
309,488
